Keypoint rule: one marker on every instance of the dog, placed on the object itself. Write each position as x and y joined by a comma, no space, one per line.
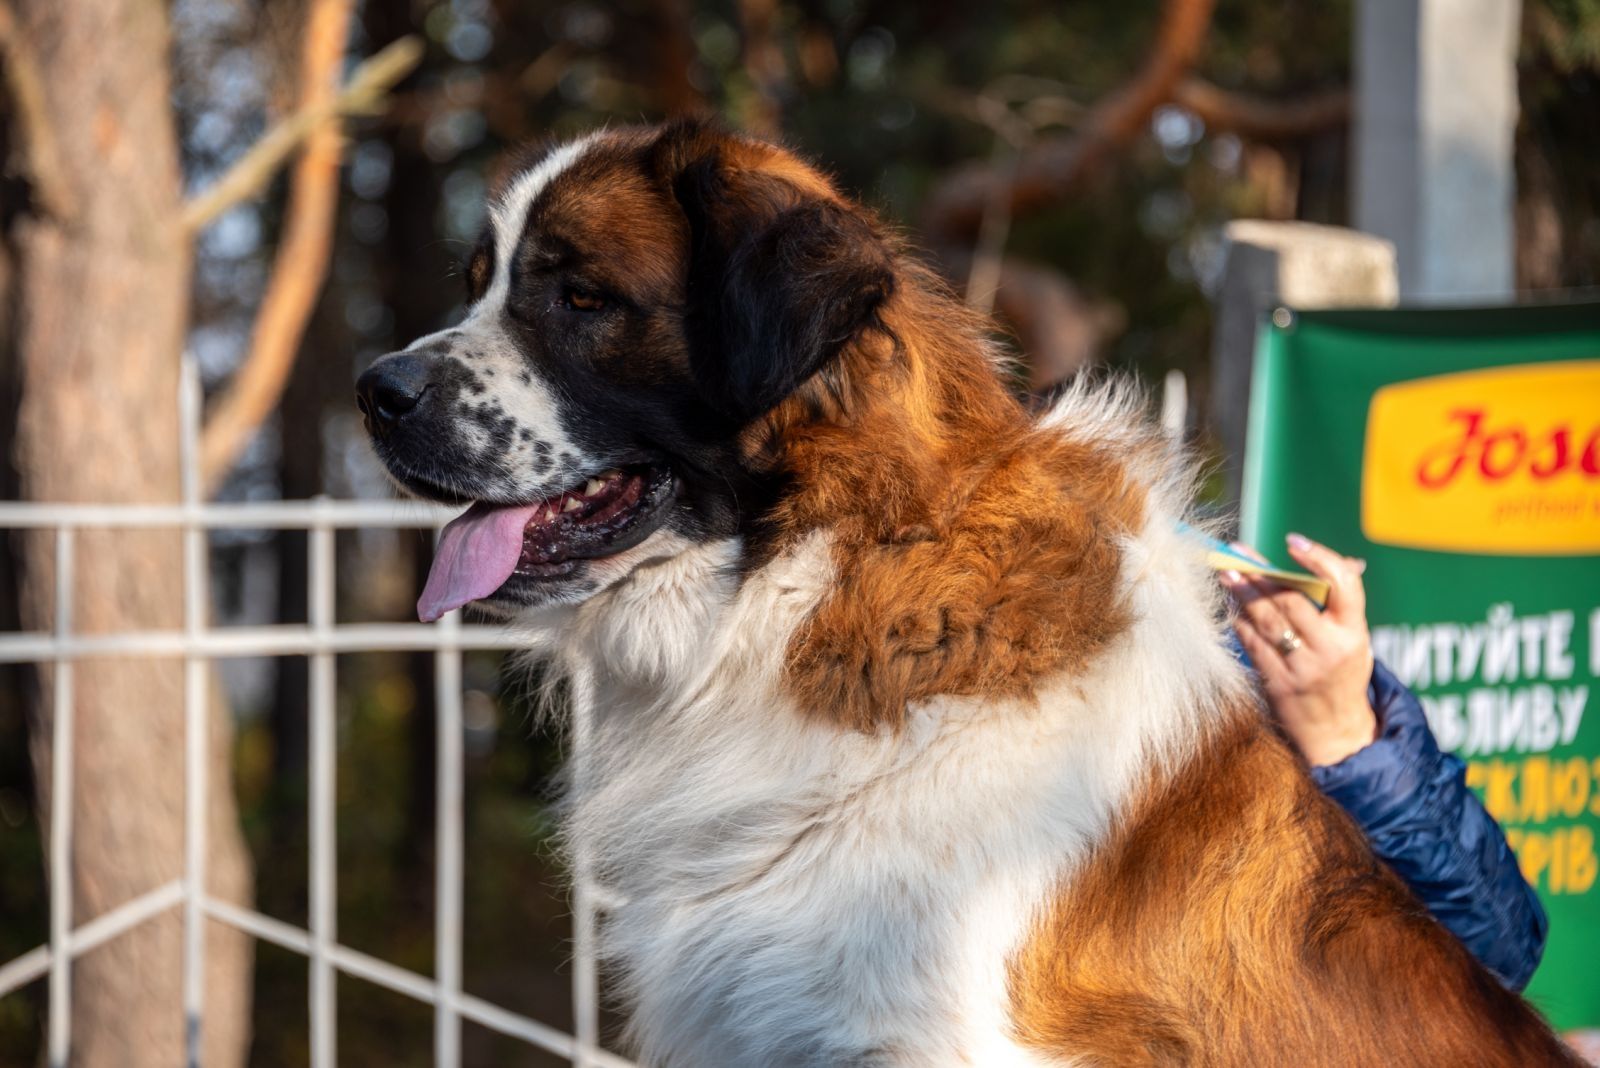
910,736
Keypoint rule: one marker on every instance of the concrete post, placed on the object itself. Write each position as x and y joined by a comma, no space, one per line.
1266,264
1435,115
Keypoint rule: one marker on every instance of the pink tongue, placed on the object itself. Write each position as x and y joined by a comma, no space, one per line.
477,553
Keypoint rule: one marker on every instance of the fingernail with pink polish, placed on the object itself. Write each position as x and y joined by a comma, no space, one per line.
1299,542
1361,566
1231,578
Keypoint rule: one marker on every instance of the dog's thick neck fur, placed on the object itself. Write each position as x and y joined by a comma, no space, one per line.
835,790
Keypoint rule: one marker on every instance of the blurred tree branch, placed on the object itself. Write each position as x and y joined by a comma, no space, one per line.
301,263
970,212
41,159
1065,329
1259,118
1062,329
362,94
1050,169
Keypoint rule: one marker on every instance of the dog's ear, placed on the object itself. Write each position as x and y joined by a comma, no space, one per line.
780,278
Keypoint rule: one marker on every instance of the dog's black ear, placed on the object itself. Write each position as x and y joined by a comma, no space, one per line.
780,279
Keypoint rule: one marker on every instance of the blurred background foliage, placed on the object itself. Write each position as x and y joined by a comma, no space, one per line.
892,97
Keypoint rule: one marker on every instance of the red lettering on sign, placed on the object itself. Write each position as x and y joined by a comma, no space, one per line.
1499,452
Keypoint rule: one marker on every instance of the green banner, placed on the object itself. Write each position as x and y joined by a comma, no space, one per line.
1458,451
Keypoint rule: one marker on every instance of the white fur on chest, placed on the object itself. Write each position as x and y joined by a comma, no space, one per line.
795,894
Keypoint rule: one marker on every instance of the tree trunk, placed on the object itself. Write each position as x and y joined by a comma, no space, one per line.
101,305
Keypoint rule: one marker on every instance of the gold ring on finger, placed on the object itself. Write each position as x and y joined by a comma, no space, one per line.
1289,642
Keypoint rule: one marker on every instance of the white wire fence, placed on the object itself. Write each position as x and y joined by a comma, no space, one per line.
321,639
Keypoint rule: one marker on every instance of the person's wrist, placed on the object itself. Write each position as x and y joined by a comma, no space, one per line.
1332,742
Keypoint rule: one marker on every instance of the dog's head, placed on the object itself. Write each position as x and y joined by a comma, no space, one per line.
639,299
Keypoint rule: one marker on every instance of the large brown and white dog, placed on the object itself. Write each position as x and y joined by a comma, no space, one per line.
912,737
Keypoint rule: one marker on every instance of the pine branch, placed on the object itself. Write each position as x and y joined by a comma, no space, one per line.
1050,169
301,263
362,94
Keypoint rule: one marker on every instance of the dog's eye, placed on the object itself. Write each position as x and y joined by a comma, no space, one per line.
581,300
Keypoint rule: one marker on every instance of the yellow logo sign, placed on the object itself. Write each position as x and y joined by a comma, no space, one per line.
1502,461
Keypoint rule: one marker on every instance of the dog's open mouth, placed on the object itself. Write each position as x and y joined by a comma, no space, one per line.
484,547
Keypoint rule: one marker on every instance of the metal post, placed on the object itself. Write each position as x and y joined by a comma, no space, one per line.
1175,406
195,713
585,978
60,1039
1433,139
322,708
448,831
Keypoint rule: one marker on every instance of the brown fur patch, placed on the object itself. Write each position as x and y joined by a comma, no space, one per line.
975,554
1237,917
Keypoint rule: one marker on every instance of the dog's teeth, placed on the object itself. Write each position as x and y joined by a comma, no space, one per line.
549,511
594,486
572,505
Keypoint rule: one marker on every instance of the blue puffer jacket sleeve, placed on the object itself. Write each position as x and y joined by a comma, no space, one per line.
1412,800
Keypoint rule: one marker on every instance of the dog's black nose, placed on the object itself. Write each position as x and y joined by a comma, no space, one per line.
390,388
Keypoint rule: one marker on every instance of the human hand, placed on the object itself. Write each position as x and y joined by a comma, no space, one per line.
1314,666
